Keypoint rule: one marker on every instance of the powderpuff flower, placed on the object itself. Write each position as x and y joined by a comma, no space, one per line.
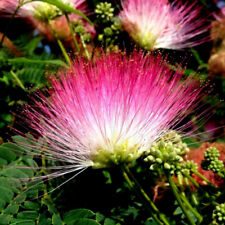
157,24
39,13
110,111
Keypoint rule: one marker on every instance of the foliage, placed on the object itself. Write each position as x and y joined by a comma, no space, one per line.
102,197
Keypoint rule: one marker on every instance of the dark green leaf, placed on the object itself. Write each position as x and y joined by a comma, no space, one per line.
71,216
6,151
27,215
99,217
31,205
2,204
15,221
85,221
109,222
13,173
3,162
51,207
56,220
6,194
4,219
12,209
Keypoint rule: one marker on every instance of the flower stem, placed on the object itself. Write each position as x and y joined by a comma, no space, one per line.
134,184
192,180
67,58
202,177
85,47
178,197
72,32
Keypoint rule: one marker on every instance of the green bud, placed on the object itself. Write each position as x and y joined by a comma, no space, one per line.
167,166
158,160
100,37
211,154
108,31
104,10
219,214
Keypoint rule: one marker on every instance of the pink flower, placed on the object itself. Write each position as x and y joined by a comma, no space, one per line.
38,13
157,24
109,112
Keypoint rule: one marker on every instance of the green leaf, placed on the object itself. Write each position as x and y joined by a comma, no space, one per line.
71,216
6,151
51,207
12,209
31,205
27,215
85,221
20,198
13,173
99,217
15,221
43,220
56,220
2,204
3,162
6,194
178,211
65,8
109,221
4,219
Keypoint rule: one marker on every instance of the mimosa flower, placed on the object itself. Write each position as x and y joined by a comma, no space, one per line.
111,111
40,12
157,24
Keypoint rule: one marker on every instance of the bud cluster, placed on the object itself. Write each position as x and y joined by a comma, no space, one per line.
111,27
219,214
187,167
211,160
104,11
81,32
167,153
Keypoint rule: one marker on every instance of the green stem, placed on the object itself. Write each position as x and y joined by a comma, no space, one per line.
134,184
67,58
193,210
202,177
72,32
179,200
85,47
18,81
192,180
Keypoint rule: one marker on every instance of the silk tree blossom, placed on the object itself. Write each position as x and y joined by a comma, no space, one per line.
109,112
157,24
38,13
